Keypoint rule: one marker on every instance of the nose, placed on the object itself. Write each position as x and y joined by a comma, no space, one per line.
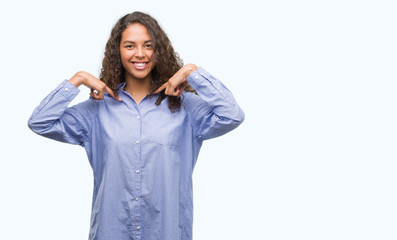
140,53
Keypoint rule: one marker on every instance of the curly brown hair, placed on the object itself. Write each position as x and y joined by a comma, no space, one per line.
167,60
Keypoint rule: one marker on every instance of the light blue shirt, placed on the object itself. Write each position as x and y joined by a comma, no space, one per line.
142,156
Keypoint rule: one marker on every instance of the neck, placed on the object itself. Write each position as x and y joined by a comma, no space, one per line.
138,86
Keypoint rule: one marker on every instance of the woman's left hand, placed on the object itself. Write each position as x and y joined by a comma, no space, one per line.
177,83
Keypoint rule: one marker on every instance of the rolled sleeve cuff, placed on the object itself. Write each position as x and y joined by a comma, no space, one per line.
197,78
201,80
68,90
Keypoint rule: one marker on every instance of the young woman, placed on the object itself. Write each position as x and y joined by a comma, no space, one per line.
142,130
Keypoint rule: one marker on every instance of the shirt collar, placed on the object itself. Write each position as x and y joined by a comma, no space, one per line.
121,86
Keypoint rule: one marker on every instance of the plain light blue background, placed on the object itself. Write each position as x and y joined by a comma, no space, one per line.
315,158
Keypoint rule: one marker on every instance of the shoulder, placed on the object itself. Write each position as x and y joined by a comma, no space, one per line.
193,103
190,99
107,100
88,106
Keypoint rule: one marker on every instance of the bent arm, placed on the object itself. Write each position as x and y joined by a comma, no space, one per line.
214,111
53,119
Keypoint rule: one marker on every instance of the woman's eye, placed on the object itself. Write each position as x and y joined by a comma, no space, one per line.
129,46
149,46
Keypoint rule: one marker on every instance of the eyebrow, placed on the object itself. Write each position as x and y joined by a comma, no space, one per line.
128,41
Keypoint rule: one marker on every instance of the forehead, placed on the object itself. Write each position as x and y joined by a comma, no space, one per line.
135,31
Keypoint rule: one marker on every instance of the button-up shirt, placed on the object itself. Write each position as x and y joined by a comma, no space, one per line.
142,156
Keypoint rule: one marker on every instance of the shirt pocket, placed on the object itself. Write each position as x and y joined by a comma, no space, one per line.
163,128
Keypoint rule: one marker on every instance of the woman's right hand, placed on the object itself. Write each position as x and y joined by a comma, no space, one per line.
98,88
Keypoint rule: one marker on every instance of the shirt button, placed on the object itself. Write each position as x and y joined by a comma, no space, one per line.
138,227
138,117
66,89
196,76
137,142
136,199
137,171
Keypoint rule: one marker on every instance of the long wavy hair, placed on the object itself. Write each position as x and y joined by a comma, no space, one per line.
167,60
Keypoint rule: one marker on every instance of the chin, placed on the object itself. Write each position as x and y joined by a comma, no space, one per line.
139,75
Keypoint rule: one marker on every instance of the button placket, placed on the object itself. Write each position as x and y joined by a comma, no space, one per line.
138,179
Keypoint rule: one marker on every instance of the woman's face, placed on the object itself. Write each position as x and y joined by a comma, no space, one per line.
136,50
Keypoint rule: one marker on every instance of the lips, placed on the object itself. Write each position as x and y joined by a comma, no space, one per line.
140,65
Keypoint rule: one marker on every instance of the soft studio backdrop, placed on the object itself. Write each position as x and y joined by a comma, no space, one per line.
314,159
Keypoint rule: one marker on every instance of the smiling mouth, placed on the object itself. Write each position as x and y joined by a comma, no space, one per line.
140,65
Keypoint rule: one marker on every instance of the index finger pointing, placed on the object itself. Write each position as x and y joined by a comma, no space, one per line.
161,88
111,93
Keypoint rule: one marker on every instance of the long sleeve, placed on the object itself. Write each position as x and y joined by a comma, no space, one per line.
214,110
53,119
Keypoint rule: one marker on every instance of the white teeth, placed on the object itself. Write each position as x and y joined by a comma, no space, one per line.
140,64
